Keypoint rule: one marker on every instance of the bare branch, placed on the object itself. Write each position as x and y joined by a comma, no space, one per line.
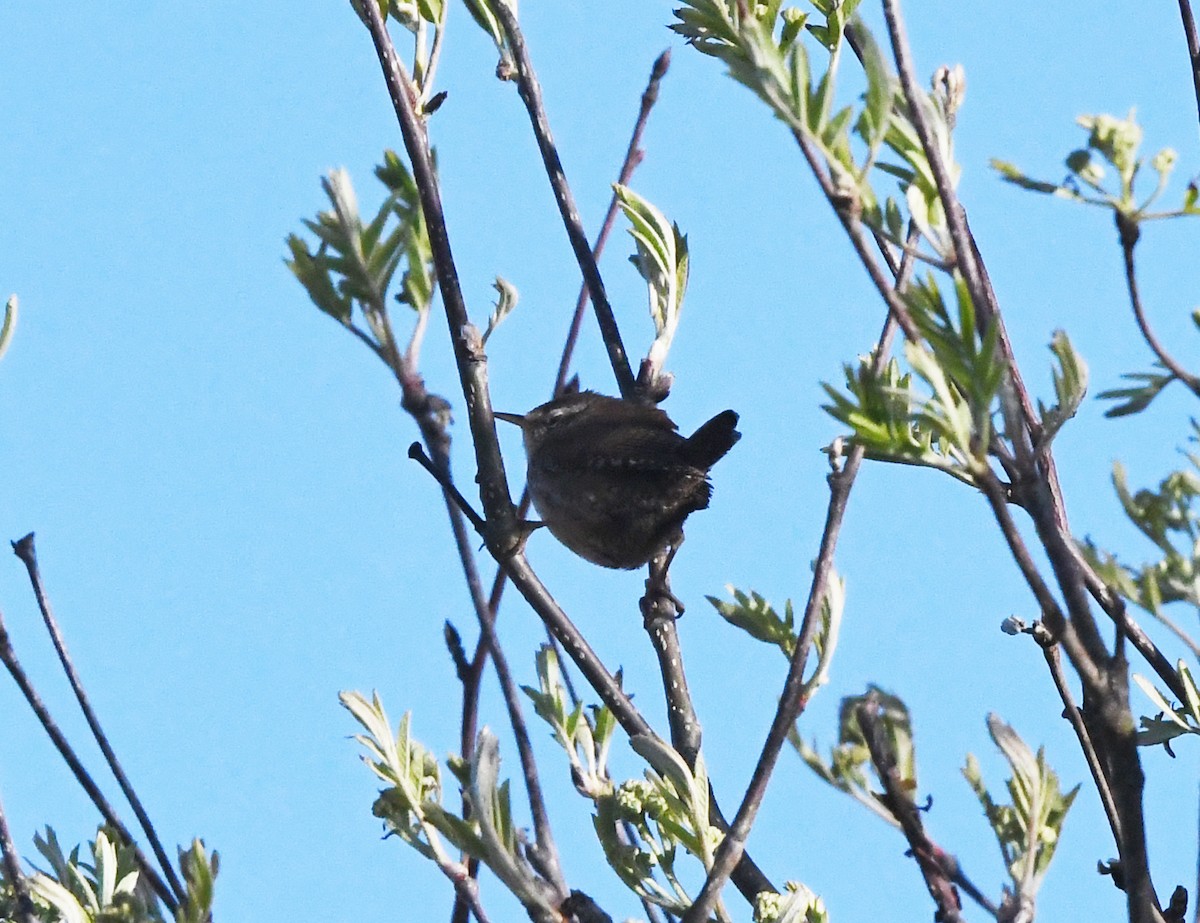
791,701
531,95
1193,45
899,801
1128,231
12,871
25,550
8,657
1072,713
502,526
501,529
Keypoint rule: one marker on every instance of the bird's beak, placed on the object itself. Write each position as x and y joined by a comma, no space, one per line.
517,418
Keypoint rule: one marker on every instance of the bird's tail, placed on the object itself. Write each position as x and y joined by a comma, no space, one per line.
713,439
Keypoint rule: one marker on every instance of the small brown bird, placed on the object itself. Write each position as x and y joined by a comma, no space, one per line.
614,480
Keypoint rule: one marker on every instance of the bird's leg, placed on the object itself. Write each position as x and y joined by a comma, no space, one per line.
658,584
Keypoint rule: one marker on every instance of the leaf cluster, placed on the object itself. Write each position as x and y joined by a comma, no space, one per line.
1028,829
354,263
1114,144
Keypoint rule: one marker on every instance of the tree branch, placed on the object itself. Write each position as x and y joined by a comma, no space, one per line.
792,700
12,871
8,657
25,550
1129,232
501,528
633,157
924,850
1073,715
1193,46
531,95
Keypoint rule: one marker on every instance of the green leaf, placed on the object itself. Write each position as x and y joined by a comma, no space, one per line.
661,258
755,616
1070,386
876,115
9,326
1136,398
482,11
1030,828
849,768
505,303
1012,174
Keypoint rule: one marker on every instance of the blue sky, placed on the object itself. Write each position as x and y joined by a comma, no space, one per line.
231,531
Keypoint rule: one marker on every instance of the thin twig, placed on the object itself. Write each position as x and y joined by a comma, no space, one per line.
12,871
471,680
1052,614
1114,606
531,95
8,657
858,239
417,453
792,701
899,802
547,851
1072,714
1193,45
1128,231
633,157
658,618
466,890
25,550
501,529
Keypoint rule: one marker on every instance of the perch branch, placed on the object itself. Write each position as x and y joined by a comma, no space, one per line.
500,528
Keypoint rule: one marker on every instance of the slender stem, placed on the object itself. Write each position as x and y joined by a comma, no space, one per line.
659,620
792,700
1114,606
502,526
473,675
501,529
1074,716
548,853
417,453
899,801
633,157
858,239
466,889
1193,45
531,95
747,876
8,657
1128,231
435,51
12,871
25,550
1052,615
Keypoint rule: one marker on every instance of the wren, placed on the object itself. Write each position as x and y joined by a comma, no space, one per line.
613,480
